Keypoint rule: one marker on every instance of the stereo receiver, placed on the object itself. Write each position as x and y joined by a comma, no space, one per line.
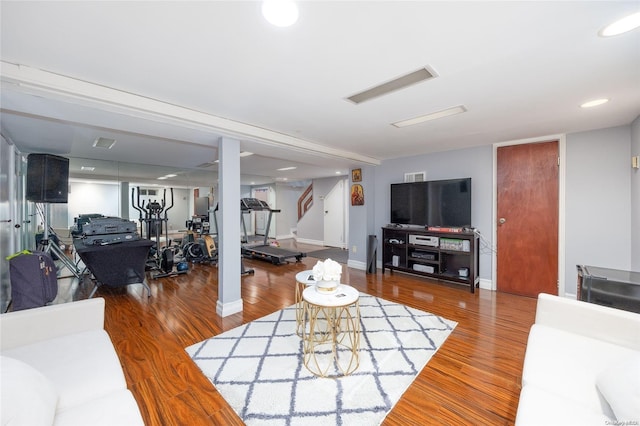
424,240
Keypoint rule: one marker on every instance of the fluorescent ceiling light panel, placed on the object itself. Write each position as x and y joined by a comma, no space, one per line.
431,116
396,84
594,103
621,26
104,143
87,168
287,168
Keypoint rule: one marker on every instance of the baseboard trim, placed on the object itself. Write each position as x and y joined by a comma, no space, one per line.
310,242
356,264
226,309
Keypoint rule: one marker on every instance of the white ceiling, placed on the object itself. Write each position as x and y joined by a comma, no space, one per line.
167,79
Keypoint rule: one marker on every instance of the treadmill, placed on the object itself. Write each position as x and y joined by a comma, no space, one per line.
264,251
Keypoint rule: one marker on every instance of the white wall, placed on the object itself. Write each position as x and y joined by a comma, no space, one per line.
635,198
86,198
311,226
104,198
601,192
287,195
598,201
475,163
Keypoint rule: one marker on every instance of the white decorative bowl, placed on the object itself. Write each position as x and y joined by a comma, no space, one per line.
327,287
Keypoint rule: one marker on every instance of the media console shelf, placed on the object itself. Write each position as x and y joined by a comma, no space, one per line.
447,256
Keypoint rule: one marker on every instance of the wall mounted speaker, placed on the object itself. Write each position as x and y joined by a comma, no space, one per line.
47,178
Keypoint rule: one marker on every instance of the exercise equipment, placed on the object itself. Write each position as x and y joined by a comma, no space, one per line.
200,250
264,251
153,218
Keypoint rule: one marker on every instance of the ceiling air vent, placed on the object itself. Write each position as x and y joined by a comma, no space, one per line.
205,165
104,143
415,177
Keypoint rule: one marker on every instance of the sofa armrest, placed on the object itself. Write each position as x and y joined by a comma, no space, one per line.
34,325
587,319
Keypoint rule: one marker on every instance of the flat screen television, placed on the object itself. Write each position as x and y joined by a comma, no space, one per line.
432,203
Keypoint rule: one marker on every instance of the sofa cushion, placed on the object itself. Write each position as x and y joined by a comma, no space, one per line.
28,397
567,364
541,407
116,408
81,366
620,386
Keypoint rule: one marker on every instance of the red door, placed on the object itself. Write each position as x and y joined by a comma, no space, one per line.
527,196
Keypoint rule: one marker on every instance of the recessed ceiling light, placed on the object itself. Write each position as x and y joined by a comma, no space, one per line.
594,103
281,13
171,175
104,143
431,116
87,168
338,172
621,26
162,178
287,168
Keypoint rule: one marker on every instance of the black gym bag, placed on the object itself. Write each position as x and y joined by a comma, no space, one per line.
34,280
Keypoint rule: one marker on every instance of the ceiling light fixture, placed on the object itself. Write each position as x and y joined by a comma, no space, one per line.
431,116
398,83
87,168
626,24
284,169
594,103
104,143
281,13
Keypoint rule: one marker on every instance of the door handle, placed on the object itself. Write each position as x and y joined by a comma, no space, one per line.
5,220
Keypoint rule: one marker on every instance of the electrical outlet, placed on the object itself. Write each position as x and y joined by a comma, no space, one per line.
354,249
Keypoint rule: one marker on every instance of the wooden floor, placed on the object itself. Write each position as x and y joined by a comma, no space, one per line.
473,379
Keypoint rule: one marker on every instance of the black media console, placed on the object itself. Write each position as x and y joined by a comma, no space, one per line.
448,256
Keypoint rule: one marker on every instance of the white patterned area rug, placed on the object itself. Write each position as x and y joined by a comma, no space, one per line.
258,367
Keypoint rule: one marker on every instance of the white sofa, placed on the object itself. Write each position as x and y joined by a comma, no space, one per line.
581,366
59,367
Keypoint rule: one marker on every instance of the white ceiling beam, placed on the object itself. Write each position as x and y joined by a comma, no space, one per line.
60,87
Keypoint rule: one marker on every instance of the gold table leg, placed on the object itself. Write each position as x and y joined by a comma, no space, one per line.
332,339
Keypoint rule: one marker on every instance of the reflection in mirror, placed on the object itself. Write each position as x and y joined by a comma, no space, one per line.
106,187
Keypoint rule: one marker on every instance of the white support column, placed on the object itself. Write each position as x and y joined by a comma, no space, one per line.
125,196
229,262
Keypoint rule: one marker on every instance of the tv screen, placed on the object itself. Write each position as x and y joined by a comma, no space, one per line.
409,203
432,203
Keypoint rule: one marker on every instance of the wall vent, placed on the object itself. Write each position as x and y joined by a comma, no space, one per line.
415,177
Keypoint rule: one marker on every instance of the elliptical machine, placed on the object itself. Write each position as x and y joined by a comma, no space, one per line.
154,217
